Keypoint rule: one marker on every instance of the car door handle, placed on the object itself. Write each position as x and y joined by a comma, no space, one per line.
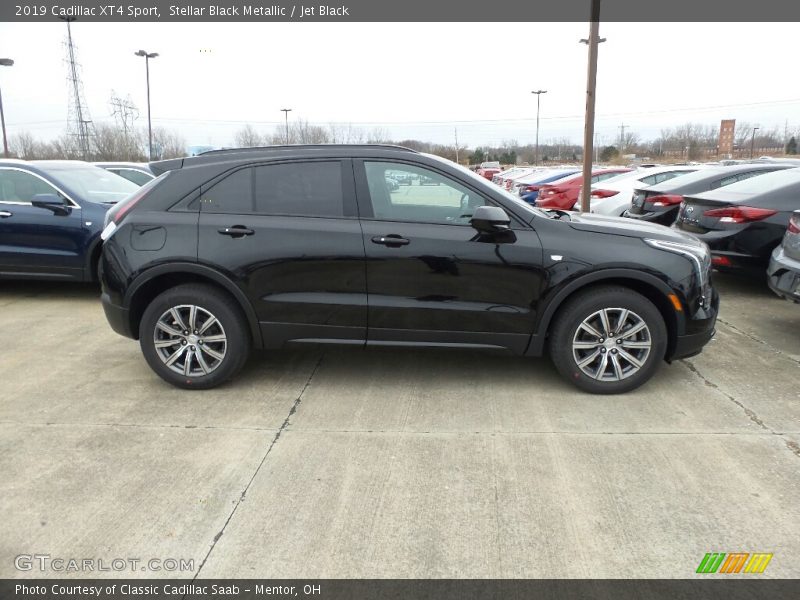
236,231
391,240
4,214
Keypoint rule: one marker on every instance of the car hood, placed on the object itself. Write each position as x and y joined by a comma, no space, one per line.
628,227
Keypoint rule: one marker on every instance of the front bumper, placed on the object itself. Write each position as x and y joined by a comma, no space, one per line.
699,332
783,275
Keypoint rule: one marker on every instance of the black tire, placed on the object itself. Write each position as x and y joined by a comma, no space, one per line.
230,324
616,375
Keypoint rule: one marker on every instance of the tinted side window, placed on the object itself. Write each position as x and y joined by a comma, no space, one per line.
18,186
312,189
136,177
234,194
425,196
649,180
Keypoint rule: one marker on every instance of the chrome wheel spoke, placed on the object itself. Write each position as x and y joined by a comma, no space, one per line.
587,360
602,368
606,324
192,317
584,345
167,329
623,316
617,366
212,353
202,362
207,324
631,358
178,319
591,330
167,343
187,364
210,339
175,356
633,330
635,345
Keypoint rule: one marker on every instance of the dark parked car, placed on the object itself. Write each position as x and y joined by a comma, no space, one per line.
660,203
51,216
256,248
743,222
138,173
783,273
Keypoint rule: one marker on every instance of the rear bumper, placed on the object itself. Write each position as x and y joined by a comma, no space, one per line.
783,275
666,217
117,316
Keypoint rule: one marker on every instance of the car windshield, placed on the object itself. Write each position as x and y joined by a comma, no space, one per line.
92,183
482,183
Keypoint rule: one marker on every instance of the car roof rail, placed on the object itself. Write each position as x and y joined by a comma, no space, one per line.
223,151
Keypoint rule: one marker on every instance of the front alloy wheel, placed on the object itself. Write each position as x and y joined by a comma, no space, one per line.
611,344
608,339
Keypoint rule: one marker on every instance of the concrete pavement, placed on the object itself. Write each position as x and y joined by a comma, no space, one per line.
331,462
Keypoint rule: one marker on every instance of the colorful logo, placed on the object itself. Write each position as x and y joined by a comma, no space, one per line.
734,562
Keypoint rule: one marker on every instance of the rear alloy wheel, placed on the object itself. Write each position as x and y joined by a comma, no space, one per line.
608,340
194,336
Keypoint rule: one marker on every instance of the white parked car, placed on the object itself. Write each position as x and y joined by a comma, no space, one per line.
613,196
507,181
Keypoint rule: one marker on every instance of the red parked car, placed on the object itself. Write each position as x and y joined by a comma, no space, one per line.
563,194
489,169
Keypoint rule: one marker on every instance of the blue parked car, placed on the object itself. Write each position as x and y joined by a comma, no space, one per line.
51,217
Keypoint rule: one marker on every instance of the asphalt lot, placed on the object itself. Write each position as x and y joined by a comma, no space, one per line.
330,462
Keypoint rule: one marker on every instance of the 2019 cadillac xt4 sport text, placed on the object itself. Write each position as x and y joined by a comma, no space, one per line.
238,249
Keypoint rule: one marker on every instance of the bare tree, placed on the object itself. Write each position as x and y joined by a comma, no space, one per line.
248,137
170,143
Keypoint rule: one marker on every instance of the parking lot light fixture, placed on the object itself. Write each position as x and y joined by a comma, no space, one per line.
5,62
538,96
147,56
286,112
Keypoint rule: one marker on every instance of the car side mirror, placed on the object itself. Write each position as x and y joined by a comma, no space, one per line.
51,202
490,219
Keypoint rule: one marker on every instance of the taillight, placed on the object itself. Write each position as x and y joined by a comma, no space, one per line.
665,200
532,188
721,261
603,193
739,214
794,225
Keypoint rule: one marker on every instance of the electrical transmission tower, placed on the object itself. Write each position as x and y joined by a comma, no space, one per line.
124,112
79,122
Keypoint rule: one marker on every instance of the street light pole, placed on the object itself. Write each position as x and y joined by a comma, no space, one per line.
147,57
591,86
538,96
753,140
286,112
4,62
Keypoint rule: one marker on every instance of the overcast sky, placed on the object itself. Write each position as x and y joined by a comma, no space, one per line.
412,80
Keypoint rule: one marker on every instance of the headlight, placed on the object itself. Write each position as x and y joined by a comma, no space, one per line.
699,255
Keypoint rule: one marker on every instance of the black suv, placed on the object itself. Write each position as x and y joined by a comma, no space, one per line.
237,249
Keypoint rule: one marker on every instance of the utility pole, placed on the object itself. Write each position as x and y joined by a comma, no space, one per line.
455,130
621,137
5,62
753,140
286,112
591,87
538,96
